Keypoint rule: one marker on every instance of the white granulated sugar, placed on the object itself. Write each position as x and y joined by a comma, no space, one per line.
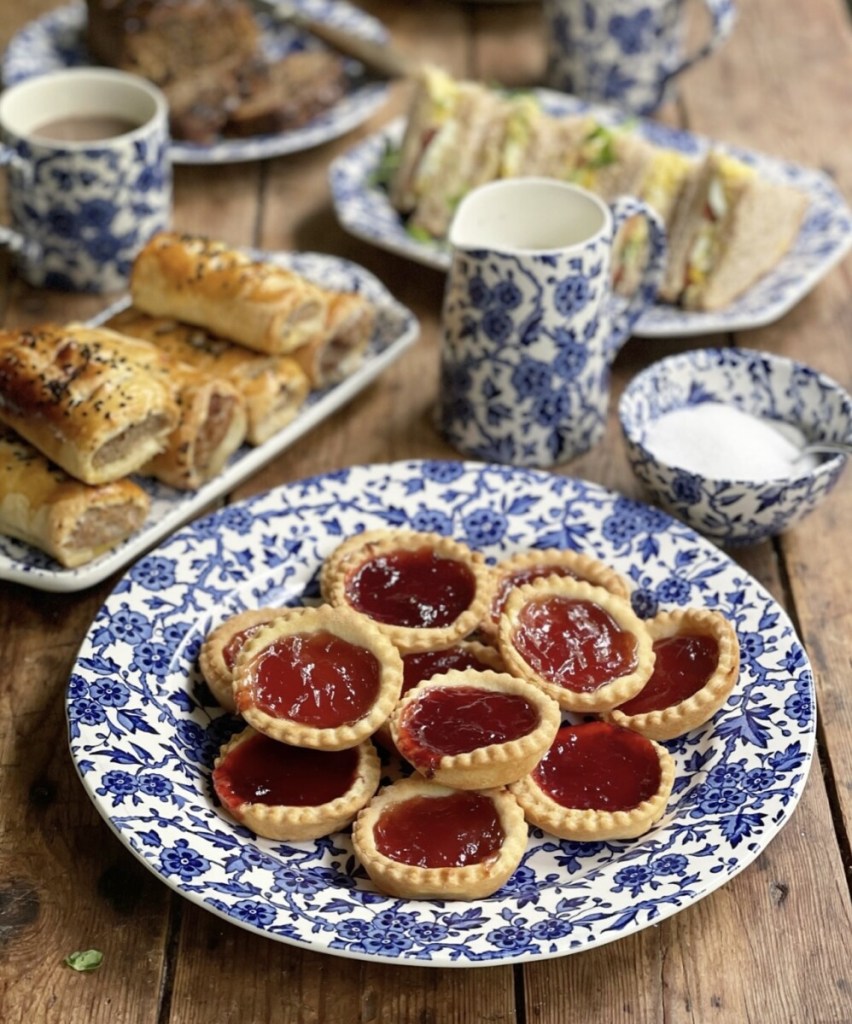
724,443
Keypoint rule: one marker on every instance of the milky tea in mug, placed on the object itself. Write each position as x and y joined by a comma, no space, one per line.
86,155
530,321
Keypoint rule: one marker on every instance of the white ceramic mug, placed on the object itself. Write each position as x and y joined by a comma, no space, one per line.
625,52
530,321
89,176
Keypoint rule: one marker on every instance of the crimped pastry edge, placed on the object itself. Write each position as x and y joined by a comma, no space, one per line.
609,694
291,823
677,719
496,764
406,881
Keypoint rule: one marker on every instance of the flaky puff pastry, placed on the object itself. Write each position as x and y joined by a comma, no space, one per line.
424,723
211,422
71,521
343,568
430,813
338,351
525,566
274,388
220,647
82,401
207,283
674,719
273,789
317,677
587,665
619,751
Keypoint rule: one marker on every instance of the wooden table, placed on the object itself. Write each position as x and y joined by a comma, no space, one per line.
771,946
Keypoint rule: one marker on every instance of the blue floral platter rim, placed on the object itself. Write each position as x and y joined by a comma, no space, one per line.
144,729
396,330
364,210
54,41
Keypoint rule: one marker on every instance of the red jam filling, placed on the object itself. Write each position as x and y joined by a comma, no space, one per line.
233,647
263,771
425,664
599,767
683,666
575,644
316,679
521,577
450,720
450,831
412,588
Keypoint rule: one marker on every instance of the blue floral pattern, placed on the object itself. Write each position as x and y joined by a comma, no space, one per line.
731,511
55,41
825,236
144,730
628,55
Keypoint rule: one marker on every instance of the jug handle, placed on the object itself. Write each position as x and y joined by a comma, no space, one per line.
723,16
627,312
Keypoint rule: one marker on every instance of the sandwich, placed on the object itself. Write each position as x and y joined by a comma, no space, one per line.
537,144
609,161
732,227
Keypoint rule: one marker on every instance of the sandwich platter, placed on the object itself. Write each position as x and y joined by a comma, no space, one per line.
55,41
364,209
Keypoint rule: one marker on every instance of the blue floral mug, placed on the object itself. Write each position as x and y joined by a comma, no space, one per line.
531,324
625,52
89,177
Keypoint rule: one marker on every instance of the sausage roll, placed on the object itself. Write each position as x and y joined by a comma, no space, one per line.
71,521
206,283
339,349
211,415
273,387
86,406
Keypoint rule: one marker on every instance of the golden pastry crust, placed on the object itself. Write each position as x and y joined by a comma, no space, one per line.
200,281
586,825
489,766
564,561
293,823
346,626
407,881
677,719
82,402
213,656
273,388
339,350
69,520
349,557
612,691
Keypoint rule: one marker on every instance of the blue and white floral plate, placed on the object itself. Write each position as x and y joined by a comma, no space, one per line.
396,329
55,41
363,208
144,729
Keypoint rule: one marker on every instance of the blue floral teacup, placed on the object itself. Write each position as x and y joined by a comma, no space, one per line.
625,52
530,321
86,154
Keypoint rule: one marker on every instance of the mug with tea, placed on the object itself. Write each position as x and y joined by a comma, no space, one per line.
530,321
86,153
627,52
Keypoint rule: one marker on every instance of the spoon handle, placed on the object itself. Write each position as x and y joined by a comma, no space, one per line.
830,447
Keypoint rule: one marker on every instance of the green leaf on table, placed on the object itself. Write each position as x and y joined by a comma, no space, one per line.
85,960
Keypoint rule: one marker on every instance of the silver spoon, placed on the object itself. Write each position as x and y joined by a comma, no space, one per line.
826,447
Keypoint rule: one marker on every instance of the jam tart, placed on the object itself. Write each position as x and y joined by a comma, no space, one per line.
697,661
526,566
319,677
582,644
423,590
417,839
474,730
293,793
418,666
598,781
221,646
